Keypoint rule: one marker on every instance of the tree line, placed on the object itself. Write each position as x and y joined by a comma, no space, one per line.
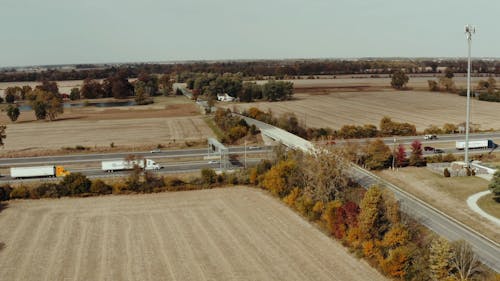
210,85
369,222
275,68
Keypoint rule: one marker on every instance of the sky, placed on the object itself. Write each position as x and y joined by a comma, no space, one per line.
36,32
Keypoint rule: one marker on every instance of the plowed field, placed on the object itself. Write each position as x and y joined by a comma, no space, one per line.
222,234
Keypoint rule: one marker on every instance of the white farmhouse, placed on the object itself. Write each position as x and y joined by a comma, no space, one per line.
224,97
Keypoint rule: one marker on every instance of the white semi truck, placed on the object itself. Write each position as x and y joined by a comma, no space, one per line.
120,165
476,144
38,171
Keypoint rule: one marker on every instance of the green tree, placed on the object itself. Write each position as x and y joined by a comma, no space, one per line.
277,90
399,79
40,109
494,186
13,112
208,176
440,258
74,94
76,183
3,135
141,94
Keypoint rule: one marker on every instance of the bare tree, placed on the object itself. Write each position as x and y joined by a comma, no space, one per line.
325,174
465,261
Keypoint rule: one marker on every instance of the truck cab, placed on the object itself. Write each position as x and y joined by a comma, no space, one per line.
152,165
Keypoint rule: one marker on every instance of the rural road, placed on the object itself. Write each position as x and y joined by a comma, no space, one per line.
488,251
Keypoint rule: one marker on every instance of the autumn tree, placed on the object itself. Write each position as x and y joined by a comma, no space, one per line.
372,219
13,112
401,160
150,83
48,86
433,85
399,79
448,73
165,84
280,179
378,155
440,259
447,84
91,89
416,156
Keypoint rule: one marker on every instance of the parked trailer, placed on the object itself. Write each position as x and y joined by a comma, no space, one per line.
476,144
120,165
38,171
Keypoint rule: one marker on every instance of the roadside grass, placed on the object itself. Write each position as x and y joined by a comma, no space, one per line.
449,195
489,205
211,124
457,187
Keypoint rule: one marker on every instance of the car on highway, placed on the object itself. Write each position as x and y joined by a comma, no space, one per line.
253,147
437,150
430,137
213,162
157,150
428,148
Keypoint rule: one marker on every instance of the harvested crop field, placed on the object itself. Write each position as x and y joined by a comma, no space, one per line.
168,119
337,102
222,234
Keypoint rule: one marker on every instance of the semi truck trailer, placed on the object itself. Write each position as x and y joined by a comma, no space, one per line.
38,171
476,144
120,165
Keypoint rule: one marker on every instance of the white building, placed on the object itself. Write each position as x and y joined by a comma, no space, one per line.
224,97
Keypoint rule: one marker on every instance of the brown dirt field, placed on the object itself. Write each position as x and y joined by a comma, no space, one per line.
221,234
446,194
168,119
316,104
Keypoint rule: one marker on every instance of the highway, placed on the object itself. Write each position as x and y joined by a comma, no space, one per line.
179,167
80,158
487,250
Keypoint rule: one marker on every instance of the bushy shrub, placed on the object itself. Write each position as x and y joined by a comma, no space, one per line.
100,187
76,183
5,191
446,173
20,192
208,176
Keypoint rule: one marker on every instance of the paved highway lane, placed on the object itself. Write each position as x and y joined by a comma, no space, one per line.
183,167
79,158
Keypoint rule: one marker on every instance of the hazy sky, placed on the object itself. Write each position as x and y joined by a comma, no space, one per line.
85,31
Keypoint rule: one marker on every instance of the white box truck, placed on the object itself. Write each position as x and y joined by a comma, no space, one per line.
38,171
475,144
120,165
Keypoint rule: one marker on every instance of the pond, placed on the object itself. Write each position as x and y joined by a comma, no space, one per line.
26,107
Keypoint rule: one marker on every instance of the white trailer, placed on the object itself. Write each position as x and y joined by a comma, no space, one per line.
38,171
120,165
475,144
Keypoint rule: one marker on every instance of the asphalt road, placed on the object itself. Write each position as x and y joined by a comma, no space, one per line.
182,167
487,250
79,158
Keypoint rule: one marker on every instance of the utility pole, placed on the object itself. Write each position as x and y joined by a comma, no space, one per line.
393,154
469,30
245,154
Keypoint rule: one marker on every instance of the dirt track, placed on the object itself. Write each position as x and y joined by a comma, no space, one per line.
223,234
